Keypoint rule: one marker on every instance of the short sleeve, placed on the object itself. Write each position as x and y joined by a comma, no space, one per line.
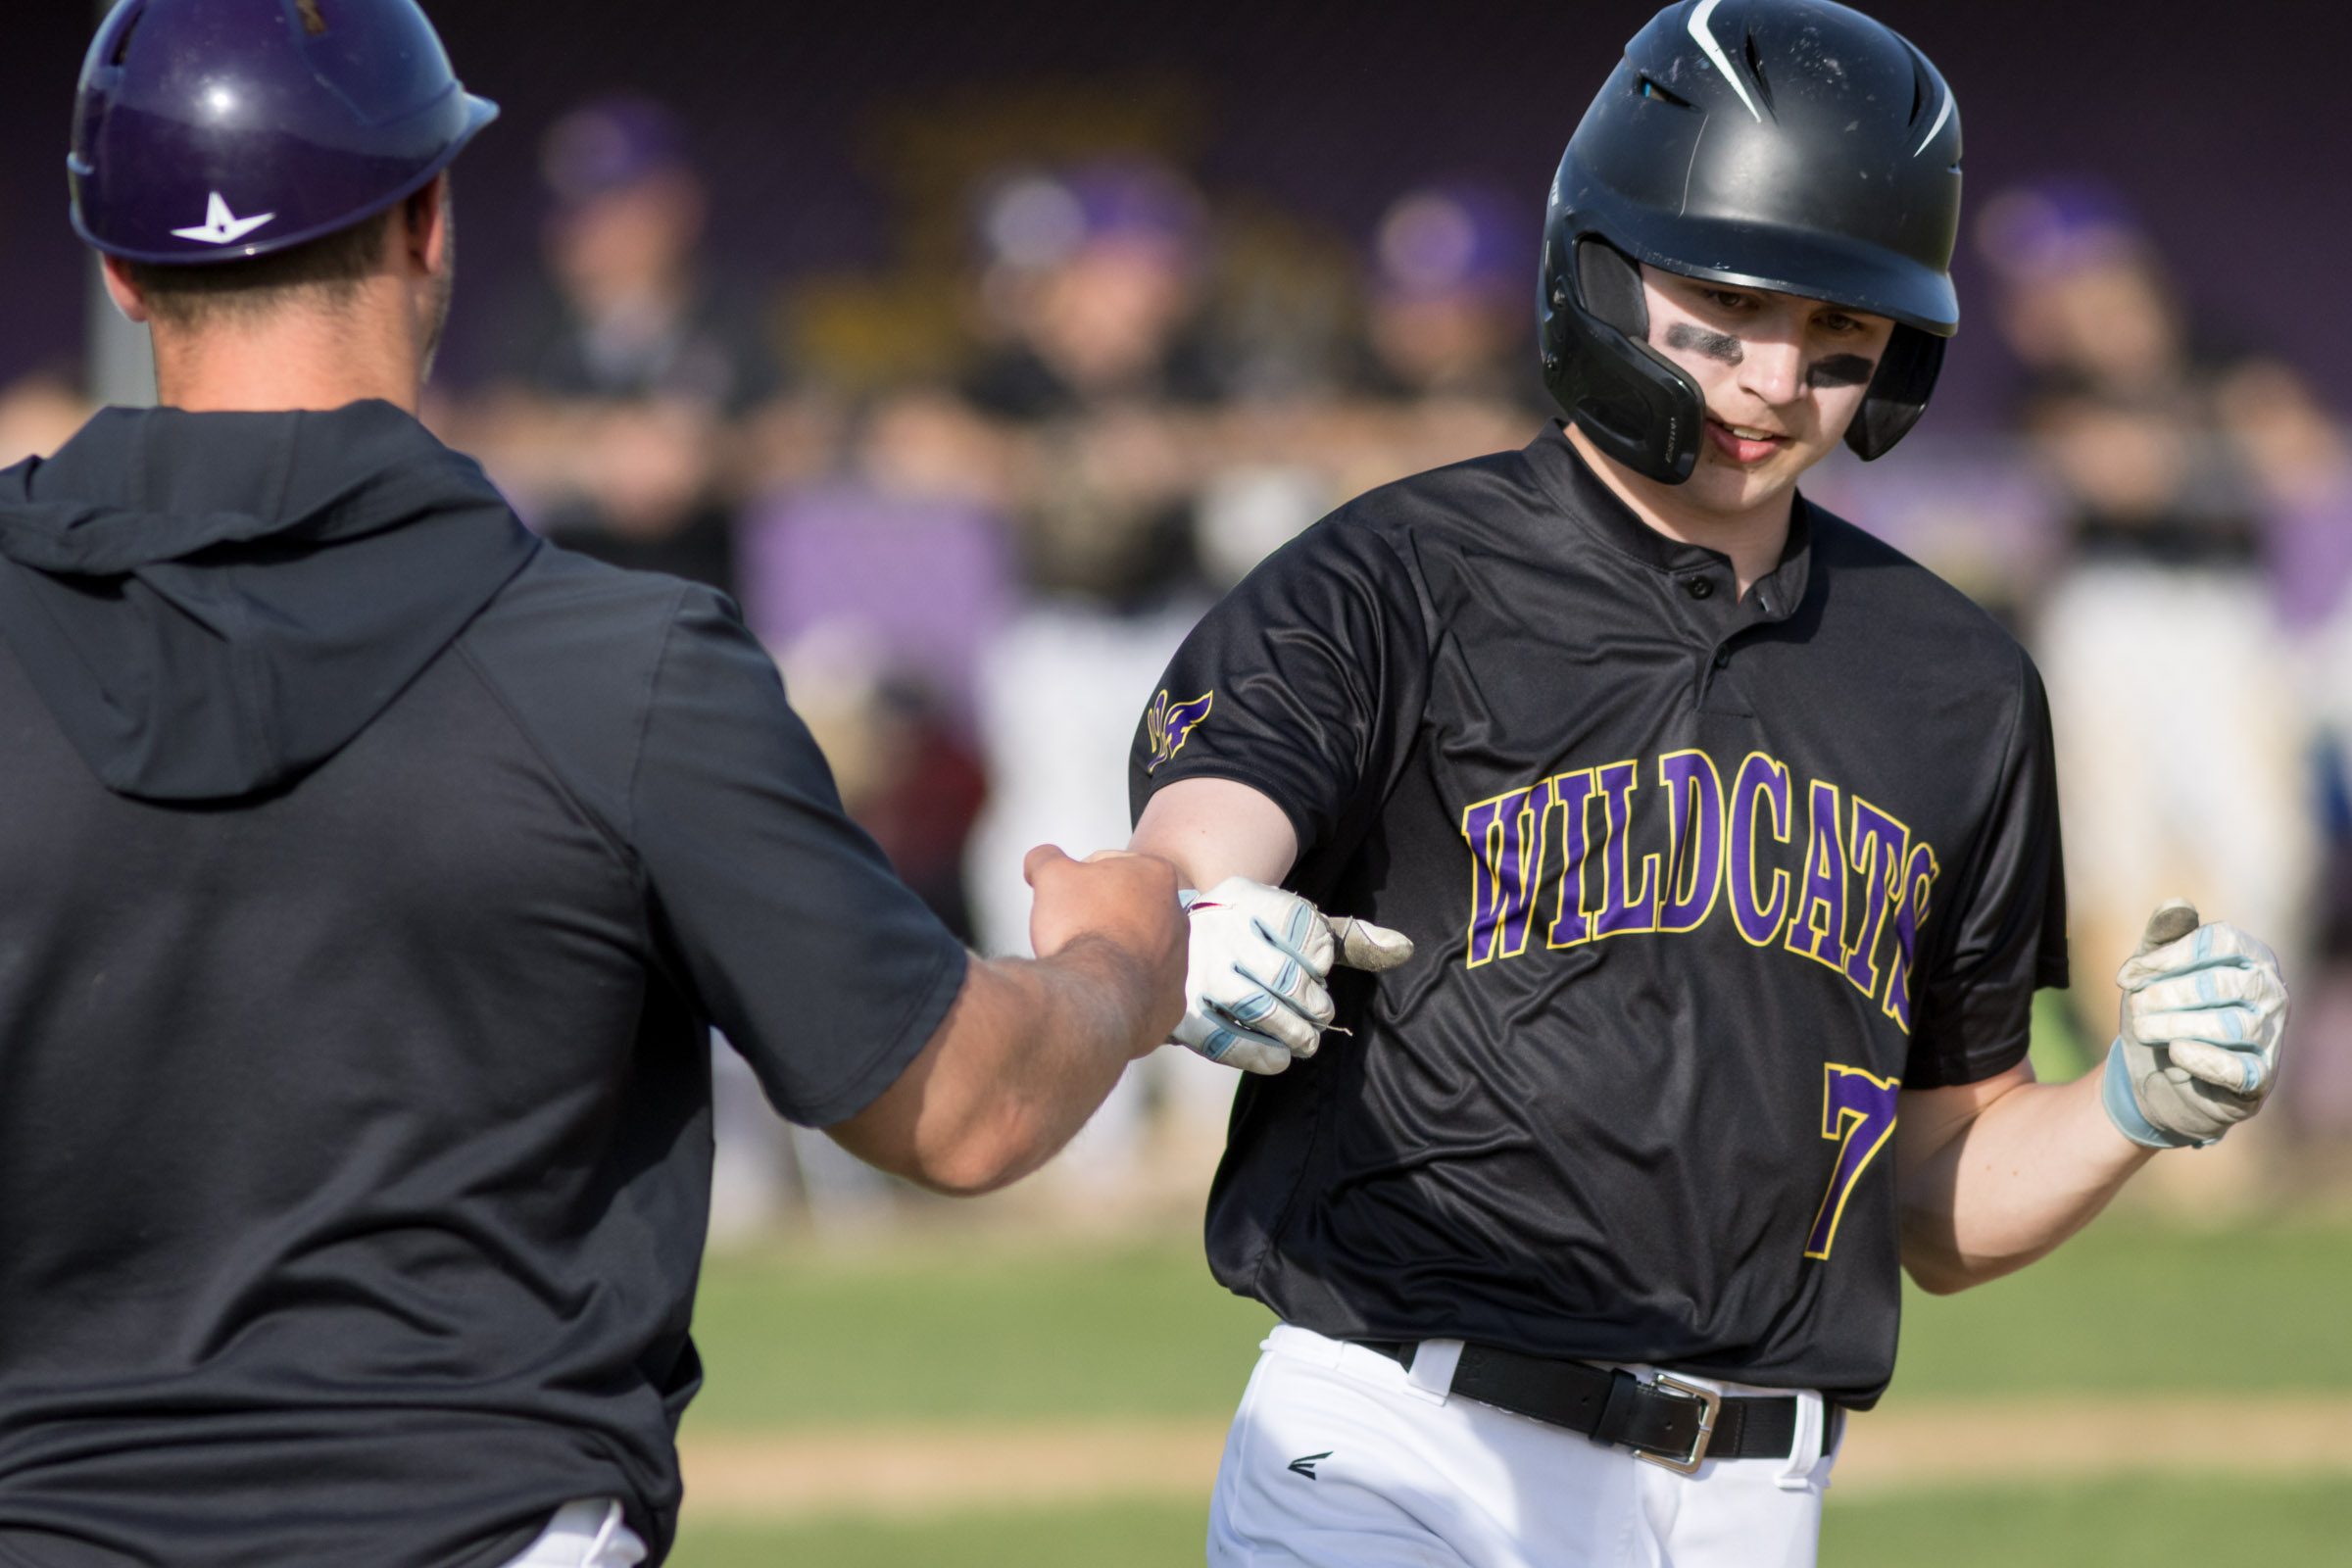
822,968
1306,683
2004,935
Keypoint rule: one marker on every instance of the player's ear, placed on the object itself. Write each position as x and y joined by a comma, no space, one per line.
427,228
124,290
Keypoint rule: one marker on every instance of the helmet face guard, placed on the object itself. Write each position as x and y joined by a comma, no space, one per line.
215,130
1789,145
1637,404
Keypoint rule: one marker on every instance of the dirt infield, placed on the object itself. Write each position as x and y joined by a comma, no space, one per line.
913,1471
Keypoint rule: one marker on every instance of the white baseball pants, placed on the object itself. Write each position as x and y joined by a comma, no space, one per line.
1341,1458
588,1533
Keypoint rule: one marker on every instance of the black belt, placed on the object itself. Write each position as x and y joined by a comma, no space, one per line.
1669,1422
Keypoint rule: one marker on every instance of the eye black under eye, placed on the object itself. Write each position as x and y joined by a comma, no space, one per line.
1842,370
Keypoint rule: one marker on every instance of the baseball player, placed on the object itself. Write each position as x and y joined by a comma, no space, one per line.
375,875
1720,848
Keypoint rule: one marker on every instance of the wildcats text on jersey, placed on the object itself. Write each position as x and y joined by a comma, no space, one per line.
1854,902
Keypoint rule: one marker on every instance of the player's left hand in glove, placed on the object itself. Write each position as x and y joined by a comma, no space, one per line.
2197,1049
1254,990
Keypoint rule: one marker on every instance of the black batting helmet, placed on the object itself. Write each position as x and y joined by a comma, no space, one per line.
1792,145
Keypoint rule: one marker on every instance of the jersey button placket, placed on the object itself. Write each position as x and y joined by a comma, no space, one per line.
1699,587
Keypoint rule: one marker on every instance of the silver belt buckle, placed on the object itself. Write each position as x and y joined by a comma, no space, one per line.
1710,1406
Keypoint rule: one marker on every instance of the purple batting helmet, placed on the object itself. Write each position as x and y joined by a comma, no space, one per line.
1454,239
611,145
214,130
2055,226
1042,219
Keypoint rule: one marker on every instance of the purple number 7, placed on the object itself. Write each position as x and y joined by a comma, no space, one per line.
1857,1113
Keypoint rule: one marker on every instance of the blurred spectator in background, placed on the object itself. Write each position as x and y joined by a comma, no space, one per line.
2302,467
1452,317
1449,369
1096,374
878,588
2295,453
1156,466
1089,303
2183,751
1444,369
622,383
626,391
1089,292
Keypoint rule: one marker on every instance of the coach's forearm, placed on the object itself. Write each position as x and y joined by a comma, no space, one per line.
2005,1185
1028,1052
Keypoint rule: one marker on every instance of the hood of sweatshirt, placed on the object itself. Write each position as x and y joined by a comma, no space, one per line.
215,603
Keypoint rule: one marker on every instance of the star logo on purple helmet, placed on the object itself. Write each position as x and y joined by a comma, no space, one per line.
1172,725
222,225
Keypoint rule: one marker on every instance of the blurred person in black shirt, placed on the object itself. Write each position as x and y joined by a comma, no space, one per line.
1448,307
1441,368
625,375
1448,370
1092,288
2121,405
622,382
1102,389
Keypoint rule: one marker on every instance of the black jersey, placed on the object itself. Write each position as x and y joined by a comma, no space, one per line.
1698,882
373,876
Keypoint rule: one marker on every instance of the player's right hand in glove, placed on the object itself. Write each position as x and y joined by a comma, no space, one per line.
2197,1048
1254,990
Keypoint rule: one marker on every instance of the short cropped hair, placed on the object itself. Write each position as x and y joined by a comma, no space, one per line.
328,270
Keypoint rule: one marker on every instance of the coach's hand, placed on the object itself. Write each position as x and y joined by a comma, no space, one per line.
1254,990
1117,906
2197,1050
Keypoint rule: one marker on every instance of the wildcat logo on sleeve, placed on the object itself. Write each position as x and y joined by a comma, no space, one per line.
1172,725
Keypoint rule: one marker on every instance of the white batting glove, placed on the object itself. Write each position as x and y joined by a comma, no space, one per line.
1254,990
2196,1050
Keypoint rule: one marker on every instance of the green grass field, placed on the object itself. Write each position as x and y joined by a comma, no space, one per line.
967,1332
1126,1536
2127,1306
976,1332
2137,1524
2124,1524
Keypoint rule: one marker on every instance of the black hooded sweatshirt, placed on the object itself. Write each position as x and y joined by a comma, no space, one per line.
371,874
